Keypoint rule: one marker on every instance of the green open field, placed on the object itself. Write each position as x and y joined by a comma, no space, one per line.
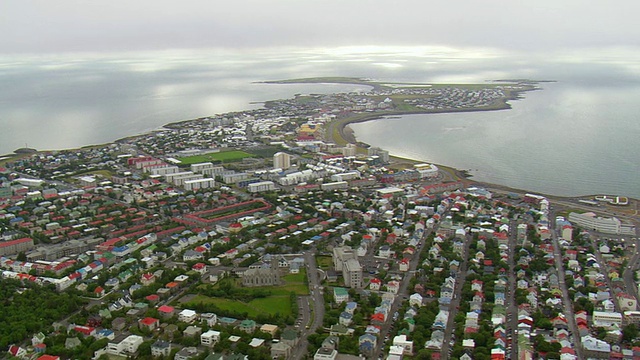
324,262
224,156
276,303
273,304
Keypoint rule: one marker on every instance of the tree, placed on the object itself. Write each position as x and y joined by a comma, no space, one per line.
629,333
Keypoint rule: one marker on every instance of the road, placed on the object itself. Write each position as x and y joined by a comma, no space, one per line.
312,304
512,306
568,304
402,293
632,267
455,302
604,268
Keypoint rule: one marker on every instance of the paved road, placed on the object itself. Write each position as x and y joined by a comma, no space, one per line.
455,302
402,292
312,304
568,304
632,267
512,306
603,268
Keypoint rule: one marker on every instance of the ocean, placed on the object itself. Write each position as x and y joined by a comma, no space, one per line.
577,135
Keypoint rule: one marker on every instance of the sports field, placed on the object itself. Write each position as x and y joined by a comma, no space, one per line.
223,156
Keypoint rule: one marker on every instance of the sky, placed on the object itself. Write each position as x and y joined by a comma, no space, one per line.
59,26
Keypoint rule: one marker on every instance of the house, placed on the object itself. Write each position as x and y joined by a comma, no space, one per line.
280,350
338,330
210,318
149,323
192,255
187,353
595,347
247,326
192,331
393,286
340,295
160,348
325,354
85,330
289,336
476,285
17,351
187,316
415,300
128,345
404,264
37,338
269,329
374,284
402,341
200,268
166,311
345,318
72,343
105,334
48,357
351,307
626,302
367,343
147,279
210,337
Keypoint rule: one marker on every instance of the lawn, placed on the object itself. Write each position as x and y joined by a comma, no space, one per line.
324,262
224,156
279,302
274,304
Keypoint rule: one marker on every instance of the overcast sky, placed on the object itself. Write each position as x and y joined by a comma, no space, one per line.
53,26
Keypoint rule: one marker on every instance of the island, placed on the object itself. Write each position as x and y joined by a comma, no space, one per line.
274,234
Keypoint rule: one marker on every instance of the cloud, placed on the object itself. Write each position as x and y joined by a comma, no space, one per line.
121,25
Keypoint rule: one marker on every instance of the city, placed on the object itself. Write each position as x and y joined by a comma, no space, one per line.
271,234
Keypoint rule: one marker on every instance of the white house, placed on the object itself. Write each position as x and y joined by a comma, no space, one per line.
210,338
187,316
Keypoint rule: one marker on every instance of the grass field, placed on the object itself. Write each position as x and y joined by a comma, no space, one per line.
279,302
74,178
274,304
224,156
324,262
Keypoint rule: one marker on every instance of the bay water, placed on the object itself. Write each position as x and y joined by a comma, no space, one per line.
577,135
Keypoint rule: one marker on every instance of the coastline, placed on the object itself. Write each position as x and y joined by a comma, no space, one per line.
339,132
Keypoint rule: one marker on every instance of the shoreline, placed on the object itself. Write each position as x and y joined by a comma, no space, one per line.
339,132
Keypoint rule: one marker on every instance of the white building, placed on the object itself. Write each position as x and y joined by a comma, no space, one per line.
325,354
261,186
281,160
352,273
349,150
334,185
206,168
180,180
164,170
210,338
129,345
426,170
407,345
604,225
346,176
607,319
187,316
205,183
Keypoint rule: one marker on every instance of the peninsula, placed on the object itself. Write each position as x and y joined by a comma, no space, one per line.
392,99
